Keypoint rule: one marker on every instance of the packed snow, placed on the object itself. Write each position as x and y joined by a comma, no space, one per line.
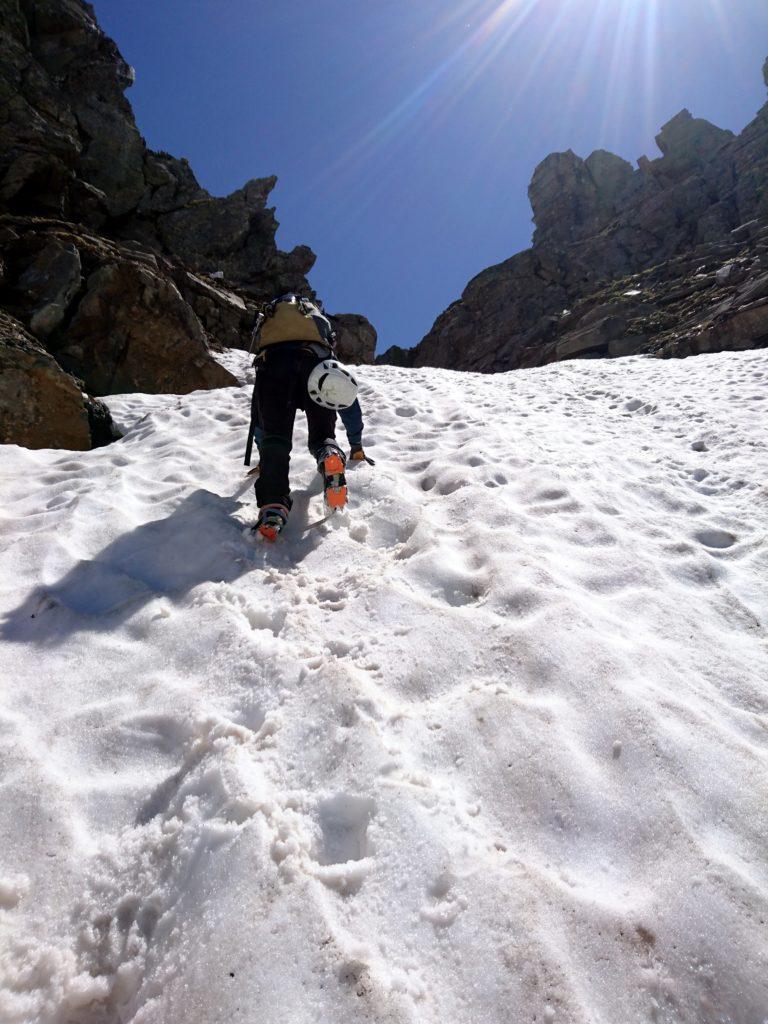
490,748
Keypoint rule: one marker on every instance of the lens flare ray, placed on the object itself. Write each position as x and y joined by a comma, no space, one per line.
515,45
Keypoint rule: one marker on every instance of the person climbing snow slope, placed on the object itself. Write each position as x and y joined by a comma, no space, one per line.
296,369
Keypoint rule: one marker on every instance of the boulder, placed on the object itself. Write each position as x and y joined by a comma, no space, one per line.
228,320
747,328
133,332
631,345
41,406
595,336
732,273
355,338
115,311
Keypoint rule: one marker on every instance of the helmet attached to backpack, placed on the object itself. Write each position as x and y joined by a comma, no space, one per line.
332,386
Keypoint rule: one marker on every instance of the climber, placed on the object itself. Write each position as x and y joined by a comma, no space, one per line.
296,369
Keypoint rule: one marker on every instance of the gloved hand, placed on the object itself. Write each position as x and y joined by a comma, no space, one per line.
356,454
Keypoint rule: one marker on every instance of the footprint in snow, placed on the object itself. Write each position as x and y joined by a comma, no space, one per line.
344,821
637,405
714,538
551,494
449,484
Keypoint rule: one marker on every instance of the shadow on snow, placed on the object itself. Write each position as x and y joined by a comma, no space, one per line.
200,542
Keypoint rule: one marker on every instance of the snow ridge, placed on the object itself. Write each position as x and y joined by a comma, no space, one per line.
492,748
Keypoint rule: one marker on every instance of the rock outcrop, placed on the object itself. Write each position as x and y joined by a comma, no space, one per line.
69,147
355,338
41,406
118,268
111,314
132,331
603,230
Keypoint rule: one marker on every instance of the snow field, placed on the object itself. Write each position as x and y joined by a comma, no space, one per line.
490,748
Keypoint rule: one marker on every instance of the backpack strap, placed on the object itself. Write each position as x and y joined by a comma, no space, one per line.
264,312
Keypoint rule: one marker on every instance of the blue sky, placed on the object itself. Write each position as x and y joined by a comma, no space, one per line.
405,132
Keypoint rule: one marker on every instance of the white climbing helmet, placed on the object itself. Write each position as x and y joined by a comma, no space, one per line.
331,385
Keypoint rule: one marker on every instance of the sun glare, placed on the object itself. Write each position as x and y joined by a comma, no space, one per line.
615,40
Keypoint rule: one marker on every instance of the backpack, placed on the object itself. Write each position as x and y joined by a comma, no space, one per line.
291,318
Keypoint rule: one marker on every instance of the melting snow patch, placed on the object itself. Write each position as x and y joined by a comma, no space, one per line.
492,748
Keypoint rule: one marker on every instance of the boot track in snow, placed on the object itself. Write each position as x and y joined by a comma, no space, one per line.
496,751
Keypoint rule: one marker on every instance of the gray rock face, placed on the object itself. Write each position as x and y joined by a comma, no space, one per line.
132,331
592,337
574,198
234,235
688,144
395,355
745,328
50,282
599,221
227,318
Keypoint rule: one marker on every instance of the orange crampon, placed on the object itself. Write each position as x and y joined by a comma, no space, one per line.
335,481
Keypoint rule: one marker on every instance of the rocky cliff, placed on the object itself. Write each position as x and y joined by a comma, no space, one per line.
669,258
118,271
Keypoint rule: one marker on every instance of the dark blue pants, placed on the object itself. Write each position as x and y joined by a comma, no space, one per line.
281,389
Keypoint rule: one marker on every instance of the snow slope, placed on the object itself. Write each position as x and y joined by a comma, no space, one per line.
493,749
